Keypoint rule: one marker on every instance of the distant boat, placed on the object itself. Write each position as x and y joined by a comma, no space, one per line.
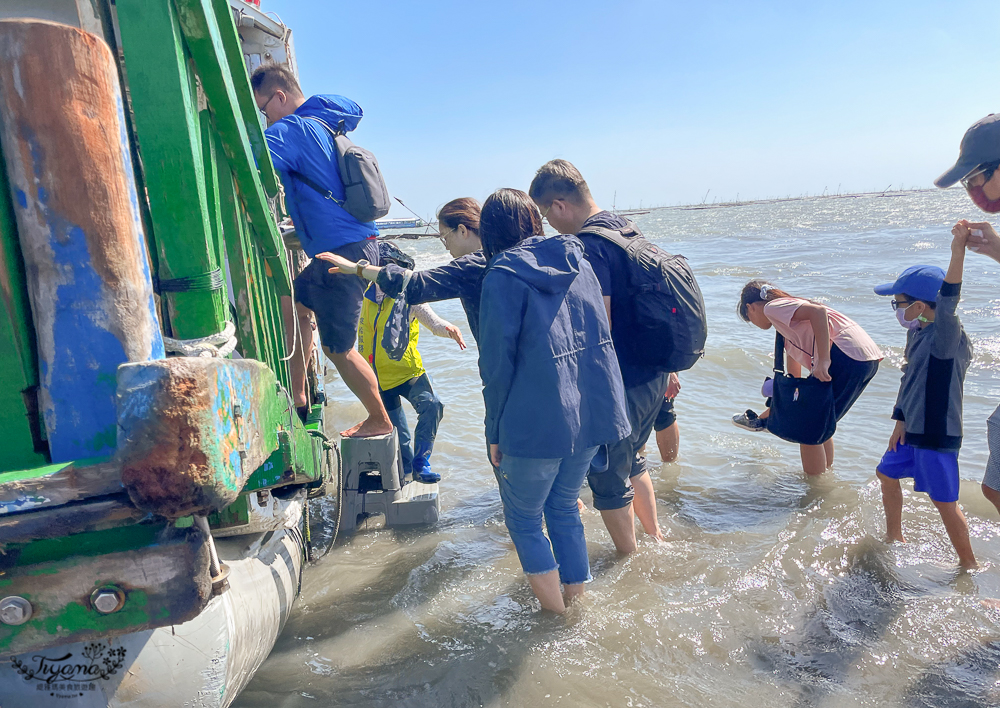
400,223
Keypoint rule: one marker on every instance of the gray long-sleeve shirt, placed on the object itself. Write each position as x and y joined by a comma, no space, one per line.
930,395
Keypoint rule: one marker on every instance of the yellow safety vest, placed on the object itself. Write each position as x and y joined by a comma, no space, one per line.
370,328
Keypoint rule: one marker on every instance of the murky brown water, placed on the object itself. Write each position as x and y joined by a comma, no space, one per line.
773,591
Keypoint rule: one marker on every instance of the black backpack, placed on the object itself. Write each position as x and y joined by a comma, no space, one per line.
366,197
669,326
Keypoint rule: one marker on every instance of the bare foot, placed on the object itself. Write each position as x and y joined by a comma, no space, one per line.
580,505
368,428
991,603
892,539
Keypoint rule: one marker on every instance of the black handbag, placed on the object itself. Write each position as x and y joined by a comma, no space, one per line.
802,410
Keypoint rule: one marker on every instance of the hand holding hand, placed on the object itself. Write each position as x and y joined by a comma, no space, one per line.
456,334
340,264
960,233
898,436
982,238
673,386
496,457
821,370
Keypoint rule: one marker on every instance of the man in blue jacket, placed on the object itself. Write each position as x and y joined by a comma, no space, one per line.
304,154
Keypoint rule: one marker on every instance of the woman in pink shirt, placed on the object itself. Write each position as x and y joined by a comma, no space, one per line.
831,346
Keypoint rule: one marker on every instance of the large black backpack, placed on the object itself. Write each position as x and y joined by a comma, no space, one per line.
669,327
366,197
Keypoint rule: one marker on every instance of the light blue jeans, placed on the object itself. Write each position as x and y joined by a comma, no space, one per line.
533,488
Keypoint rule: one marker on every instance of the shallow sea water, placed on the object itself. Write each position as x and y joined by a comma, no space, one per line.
773,590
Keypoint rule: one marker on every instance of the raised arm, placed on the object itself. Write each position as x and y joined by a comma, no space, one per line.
817,316
947,327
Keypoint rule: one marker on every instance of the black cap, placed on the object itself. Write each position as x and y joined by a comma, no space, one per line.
980,145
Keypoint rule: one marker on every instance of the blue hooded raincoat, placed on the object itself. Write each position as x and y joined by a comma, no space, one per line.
550,375
303,146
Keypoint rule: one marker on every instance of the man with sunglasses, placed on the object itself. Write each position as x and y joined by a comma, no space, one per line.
977,169
301,144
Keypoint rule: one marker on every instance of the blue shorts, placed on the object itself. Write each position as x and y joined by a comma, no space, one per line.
934,471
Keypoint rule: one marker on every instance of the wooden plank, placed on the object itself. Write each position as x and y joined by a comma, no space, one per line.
18,354
69,519
79,226
165,105
53,485
165,583
244,95
204,38
194,429
244,294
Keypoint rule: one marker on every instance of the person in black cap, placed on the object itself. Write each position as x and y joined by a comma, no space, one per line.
977,169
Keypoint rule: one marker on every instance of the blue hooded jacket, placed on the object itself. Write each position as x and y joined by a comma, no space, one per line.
550,374
300,145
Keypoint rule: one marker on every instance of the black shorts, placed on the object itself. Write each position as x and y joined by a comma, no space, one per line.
850,377
336,299
666,417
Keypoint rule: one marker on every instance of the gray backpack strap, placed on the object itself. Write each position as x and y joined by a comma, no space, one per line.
615,236
321,190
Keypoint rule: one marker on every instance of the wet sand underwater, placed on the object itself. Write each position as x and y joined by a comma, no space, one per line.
773,590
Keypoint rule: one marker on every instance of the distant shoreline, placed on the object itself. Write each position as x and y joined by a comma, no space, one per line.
776,200
717,205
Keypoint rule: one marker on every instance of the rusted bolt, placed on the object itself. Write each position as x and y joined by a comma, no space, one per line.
14,610
107,600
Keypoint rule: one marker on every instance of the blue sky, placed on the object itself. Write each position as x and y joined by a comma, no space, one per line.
655,102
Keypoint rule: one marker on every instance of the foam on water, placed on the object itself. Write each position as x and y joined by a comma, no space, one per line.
773,590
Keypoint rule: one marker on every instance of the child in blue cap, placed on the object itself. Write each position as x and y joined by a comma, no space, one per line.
928,413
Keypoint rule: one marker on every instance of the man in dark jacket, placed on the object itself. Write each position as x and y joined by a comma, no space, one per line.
565,201
303,151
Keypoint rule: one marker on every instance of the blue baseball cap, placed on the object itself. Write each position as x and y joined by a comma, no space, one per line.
922,282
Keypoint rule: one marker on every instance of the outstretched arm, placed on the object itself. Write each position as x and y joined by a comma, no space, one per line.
438,326
346,267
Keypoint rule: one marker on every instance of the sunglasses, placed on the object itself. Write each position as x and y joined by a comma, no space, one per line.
986,171
896,304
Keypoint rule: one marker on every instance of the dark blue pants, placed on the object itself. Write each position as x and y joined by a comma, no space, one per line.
416,451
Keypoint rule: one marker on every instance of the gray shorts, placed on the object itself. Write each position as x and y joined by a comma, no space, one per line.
611,485
992,477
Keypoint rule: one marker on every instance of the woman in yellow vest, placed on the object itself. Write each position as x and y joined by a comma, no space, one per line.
405,378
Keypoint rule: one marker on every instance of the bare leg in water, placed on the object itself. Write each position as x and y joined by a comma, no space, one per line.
547,589
303,347
621,526
892,502
360,378
816,459
644,505
958,531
